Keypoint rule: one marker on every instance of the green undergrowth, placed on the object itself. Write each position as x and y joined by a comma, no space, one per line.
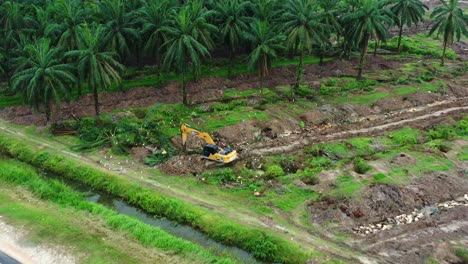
419,44
261,244
361,99
335,85
64,227
55,191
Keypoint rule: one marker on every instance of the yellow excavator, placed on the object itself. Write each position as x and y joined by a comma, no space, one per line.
211,151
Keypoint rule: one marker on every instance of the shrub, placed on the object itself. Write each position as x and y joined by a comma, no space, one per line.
222,176
406,136
442,132
380,177
360,166
320,162
274,171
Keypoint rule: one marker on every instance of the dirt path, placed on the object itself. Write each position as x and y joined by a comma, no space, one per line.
421,115
13,244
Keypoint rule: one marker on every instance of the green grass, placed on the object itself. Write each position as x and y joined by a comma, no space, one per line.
363,99
7,101
22,174
292,198
420,44
424,87
462,253
347,186
463,155
61,226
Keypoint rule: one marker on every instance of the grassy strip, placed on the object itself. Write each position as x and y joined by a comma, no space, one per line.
90,240
261,244
24,175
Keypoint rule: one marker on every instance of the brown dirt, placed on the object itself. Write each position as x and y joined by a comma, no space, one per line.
403,159
139,154
381,201
241,132
183,165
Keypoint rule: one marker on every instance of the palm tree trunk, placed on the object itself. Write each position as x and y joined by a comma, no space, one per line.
184,89
231,63
47,111
96,100
376,46
300,71
80,88
363,55
399,37
443,54
159,65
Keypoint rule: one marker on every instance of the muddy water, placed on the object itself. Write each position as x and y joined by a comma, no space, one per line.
182,231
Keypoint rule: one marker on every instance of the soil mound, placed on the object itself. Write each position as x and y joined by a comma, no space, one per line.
139,153
183,165
238,133
381,201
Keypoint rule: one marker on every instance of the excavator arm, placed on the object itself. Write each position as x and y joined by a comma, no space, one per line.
186,129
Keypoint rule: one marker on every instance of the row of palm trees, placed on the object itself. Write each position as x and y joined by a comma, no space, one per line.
50,46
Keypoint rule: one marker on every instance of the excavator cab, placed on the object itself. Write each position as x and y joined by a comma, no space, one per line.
211,151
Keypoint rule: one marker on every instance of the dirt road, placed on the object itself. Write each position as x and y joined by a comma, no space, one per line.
17,250
391,121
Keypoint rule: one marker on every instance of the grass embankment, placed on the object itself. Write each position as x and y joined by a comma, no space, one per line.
22,174
261,244
81,234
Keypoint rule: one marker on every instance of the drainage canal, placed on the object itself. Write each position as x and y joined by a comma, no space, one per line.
178,230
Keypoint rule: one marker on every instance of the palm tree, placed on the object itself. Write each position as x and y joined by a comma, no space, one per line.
233,21
44,78
39,23
119,25
329,16
407,12
72,16
11,17
96,65
449,20
267,43
153,16
265,10
187,41
367,21
302,25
